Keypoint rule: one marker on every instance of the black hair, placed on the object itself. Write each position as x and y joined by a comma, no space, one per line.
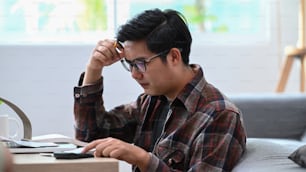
162,30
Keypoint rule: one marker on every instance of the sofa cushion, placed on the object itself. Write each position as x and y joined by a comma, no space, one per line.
266,155
299,156
273,115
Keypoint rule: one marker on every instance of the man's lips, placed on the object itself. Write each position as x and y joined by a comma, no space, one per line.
144,85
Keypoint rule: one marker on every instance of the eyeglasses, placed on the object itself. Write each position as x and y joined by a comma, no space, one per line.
140,64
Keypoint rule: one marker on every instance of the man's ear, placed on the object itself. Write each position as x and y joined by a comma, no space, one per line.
175,55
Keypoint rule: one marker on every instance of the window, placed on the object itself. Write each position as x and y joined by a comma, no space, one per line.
52,20
75,21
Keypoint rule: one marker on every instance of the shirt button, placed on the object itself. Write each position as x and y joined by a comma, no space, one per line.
77,95
170,161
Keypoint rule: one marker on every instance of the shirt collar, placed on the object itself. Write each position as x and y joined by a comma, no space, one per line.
192,92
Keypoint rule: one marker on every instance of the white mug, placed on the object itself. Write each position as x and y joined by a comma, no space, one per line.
6,127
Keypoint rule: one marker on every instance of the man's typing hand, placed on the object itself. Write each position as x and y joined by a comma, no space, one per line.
115,148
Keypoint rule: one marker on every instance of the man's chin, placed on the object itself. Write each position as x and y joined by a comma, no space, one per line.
151,93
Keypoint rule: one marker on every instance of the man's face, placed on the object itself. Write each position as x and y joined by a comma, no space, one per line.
156,80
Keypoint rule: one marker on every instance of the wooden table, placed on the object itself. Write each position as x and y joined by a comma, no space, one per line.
42,163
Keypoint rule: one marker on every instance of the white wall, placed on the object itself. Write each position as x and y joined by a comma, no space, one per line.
40,78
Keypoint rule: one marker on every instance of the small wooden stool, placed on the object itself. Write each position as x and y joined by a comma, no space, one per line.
291,54
298,52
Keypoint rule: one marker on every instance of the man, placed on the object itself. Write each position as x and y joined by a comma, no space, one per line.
179,123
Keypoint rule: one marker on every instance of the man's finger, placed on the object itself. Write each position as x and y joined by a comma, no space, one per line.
91,145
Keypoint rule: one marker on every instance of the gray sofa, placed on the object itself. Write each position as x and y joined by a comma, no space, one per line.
276,127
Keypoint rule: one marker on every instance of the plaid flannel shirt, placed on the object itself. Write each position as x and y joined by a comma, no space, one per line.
203,130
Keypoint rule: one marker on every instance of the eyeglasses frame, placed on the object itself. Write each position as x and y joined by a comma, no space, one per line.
145,62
